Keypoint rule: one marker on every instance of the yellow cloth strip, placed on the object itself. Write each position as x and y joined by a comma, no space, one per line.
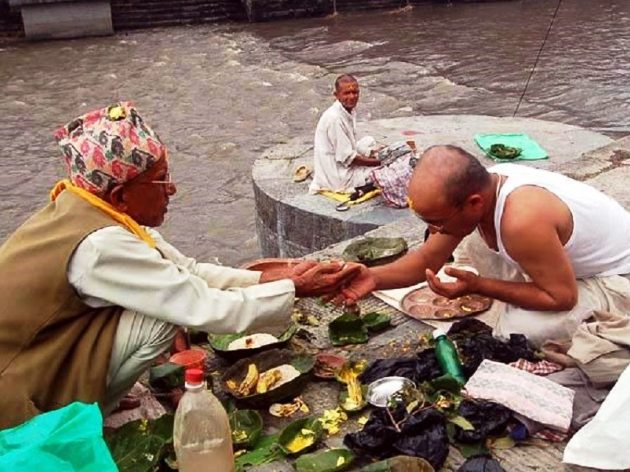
122,218
344,197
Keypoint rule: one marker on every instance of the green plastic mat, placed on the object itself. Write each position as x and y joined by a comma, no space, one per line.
530,149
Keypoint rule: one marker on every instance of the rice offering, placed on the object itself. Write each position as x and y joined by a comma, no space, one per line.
252,341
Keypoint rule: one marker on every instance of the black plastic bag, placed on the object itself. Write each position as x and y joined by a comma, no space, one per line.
481,464
488,418
420,368
475,343
421,435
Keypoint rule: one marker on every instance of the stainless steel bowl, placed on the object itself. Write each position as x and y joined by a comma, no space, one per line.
381,390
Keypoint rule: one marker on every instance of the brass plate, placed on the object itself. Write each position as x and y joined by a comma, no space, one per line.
424,304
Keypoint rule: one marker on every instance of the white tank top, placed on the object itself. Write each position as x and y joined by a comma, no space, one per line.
600,242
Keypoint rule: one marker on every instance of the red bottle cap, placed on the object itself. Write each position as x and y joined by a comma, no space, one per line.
194,376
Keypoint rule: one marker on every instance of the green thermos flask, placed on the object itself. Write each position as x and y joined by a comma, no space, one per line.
447,356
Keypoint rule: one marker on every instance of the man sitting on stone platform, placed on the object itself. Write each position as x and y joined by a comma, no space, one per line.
90,295
563,244
343,164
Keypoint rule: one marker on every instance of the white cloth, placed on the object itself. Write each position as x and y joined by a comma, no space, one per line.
112,267
335,147
599,242
603,443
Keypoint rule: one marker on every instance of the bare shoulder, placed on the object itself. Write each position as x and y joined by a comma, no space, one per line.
530,208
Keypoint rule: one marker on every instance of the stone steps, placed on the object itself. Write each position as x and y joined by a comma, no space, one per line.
357,5
132,14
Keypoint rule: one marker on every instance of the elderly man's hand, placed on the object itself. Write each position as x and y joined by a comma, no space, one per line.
465,284
314,279
362,284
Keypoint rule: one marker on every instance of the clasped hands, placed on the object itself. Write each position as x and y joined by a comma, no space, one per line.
344,283
328,279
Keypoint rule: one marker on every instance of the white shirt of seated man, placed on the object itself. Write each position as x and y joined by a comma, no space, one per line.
335,145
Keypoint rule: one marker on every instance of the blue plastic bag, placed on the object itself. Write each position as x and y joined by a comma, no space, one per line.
66,440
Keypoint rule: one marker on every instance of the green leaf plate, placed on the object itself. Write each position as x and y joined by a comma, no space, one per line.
332,460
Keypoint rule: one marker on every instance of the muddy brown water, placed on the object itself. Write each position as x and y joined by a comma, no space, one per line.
220,95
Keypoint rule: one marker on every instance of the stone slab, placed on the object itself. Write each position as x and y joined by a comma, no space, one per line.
67,20
293,223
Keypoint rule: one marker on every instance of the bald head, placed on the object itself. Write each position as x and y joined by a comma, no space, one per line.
448,174
344,79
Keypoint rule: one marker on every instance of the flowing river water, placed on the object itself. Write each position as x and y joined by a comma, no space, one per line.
220,94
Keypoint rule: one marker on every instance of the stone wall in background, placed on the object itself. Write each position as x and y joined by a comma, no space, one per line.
10,21
134,14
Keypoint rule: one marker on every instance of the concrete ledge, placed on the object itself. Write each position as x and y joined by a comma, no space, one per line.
54,20
292,223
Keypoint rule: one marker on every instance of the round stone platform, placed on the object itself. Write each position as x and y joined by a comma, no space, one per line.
292,223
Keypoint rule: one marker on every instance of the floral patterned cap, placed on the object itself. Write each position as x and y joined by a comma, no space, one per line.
108,147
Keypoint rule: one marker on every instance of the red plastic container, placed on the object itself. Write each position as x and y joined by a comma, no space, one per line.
190,359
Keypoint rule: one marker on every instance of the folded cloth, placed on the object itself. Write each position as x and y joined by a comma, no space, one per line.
601,347
530,149
603,443
530,395
344,197
394,178
538,368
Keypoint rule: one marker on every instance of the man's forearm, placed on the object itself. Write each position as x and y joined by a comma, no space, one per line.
522,294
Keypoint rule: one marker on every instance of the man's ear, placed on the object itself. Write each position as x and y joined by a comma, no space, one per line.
475,200
116,198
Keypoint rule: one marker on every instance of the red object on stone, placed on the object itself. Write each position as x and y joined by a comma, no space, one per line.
190,359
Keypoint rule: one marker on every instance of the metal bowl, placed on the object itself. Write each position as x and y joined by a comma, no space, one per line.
381,390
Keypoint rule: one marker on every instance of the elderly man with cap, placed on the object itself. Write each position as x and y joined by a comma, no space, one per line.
91,295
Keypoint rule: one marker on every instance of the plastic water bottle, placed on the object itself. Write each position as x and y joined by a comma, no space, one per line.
447,356
201,433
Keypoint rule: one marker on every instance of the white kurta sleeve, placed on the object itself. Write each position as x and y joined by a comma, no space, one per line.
342,143
113,267
216,276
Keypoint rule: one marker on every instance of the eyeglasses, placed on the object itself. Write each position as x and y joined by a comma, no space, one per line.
439,225
167,180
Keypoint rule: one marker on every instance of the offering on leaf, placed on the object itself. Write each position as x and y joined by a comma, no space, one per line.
300,435
252,341
246,426
501,151
265,381
268,377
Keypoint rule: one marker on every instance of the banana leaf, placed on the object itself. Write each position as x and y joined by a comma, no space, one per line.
265,450
375,251
400,464
331,460
246,426
347,329
166,376
300,436
139,446
375,321
220,342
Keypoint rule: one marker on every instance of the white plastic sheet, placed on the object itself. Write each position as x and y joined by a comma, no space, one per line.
603,443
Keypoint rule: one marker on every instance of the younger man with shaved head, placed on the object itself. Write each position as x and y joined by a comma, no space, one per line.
90,295
568,241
